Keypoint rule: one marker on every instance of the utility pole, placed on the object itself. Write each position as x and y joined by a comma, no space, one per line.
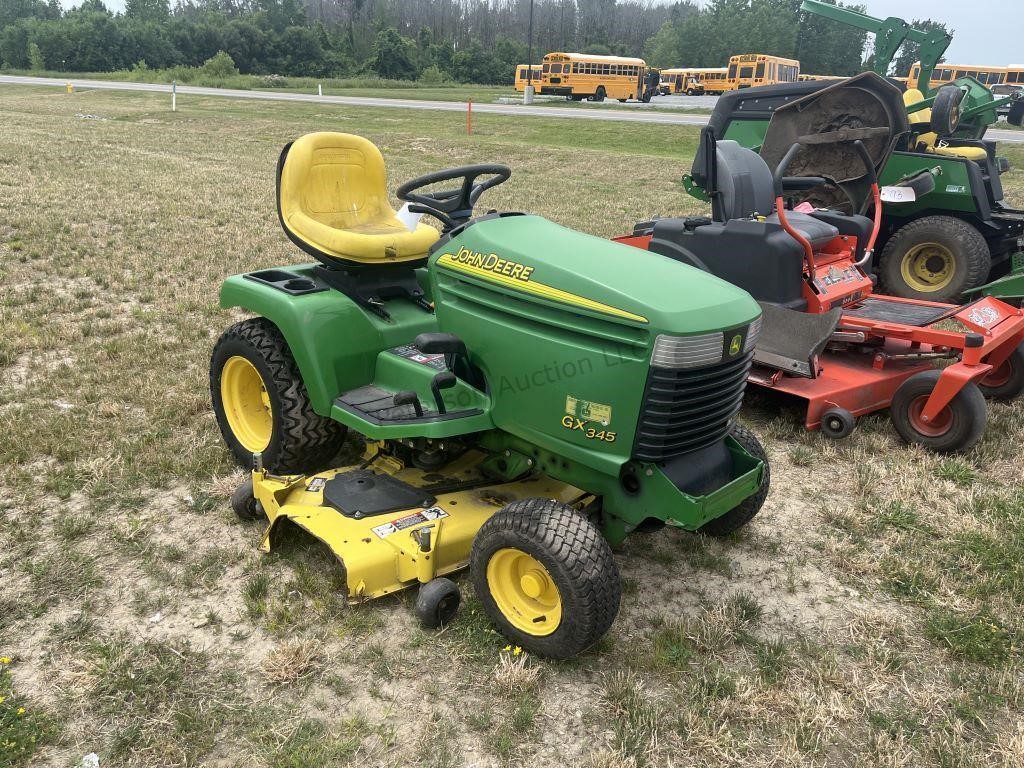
528,91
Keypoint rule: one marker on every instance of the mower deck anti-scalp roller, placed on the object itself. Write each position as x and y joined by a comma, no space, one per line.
526,396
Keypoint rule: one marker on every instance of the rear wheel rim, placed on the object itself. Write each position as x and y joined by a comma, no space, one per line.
928,267
524,592
999,376
246,404
937,427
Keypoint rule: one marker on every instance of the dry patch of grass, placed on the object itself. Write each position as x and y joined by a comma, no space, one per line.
870,616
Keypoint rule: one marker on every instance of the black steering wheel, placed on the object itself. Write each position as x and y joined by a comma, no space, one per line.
453,207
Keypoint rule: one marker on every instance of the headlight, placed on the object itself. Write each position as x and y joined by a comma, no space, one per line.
688,351
704,349
752,333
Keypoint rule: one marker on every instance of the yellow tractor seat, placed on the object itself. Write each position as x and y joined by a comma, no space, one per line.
931,139
332,199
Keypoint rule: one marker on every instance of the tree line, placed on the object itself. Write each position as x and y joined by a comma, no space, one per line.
478,41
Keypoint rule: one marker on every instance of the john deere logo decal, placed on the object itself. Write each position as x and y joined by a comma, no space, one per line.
735,344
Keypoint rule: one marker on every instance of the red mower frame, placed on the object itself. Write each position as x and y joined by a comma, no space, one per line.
871,364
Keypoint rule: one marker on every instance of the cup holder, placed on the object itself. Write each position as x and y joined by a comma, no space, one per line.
287,282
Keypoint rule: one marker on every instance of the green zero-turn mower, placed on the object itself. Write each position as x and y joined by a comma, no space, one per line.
524,395
946,228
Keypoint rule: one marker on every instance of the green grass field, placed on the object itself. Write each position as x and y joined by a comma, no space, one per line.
870,616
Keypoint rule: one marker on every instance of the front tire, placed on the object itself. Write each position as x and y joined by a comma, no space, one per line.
600,93
935,258
956,428
261,403
1006,382
744,512
546,577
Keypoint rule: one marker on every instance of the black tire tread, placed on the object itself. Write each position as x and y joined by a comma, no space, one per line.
969,401
744,512
565,538
308,440
243,502
1013,388
430,596
975,251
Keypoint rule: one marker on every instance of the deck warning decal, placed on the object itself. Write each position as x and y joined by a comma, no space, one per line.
410,352
316,484
385,530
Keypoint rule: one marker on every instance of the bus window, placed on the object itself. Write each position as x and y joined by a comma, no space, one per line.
759,73
746,71
732,71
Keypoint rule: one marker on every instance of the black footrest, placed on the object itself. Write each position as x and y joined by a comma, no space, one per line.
790,340
379,405
903,312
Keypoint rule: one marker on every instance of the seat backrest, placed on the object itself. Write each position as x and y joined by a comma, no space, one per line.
912,96
745,185
336,179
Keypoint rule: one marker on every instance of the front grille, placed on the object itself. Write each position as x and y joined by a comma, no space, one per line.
685,410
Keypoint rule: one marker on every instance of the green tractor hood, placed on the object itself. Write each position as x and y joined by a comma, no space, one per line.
531,260
563,328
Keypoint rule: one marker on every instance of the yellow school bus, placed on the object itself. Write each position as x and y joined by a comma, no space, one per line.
579,76
522,70
715,80
802,77
694,82
947,73
747,70
1015,75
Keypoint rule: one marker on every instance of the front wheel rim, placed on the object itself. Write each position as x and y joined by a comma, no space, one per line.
524,592
928,267
937,427
246,404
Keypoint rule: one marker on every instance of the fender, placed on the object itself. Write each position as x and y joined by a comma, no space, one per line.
334,341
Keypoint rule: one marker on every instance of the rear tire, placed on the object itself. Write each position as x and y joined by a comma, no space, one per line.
291,436
936,258
945,117
546,577
1007,381
957,427
740,515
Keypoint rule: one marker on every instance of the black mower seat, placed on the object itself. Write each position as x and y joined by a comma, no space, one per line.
746,190
816,231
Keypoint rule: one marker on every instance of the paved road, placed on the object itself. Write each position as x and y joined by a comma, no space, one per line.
583,112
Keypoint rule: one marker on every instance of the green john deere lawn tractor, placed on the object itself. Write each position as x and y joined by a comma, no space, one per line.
524,395
947,229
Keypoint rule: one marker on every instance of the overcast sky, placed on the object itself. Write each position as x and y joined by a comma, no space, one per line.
984,31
